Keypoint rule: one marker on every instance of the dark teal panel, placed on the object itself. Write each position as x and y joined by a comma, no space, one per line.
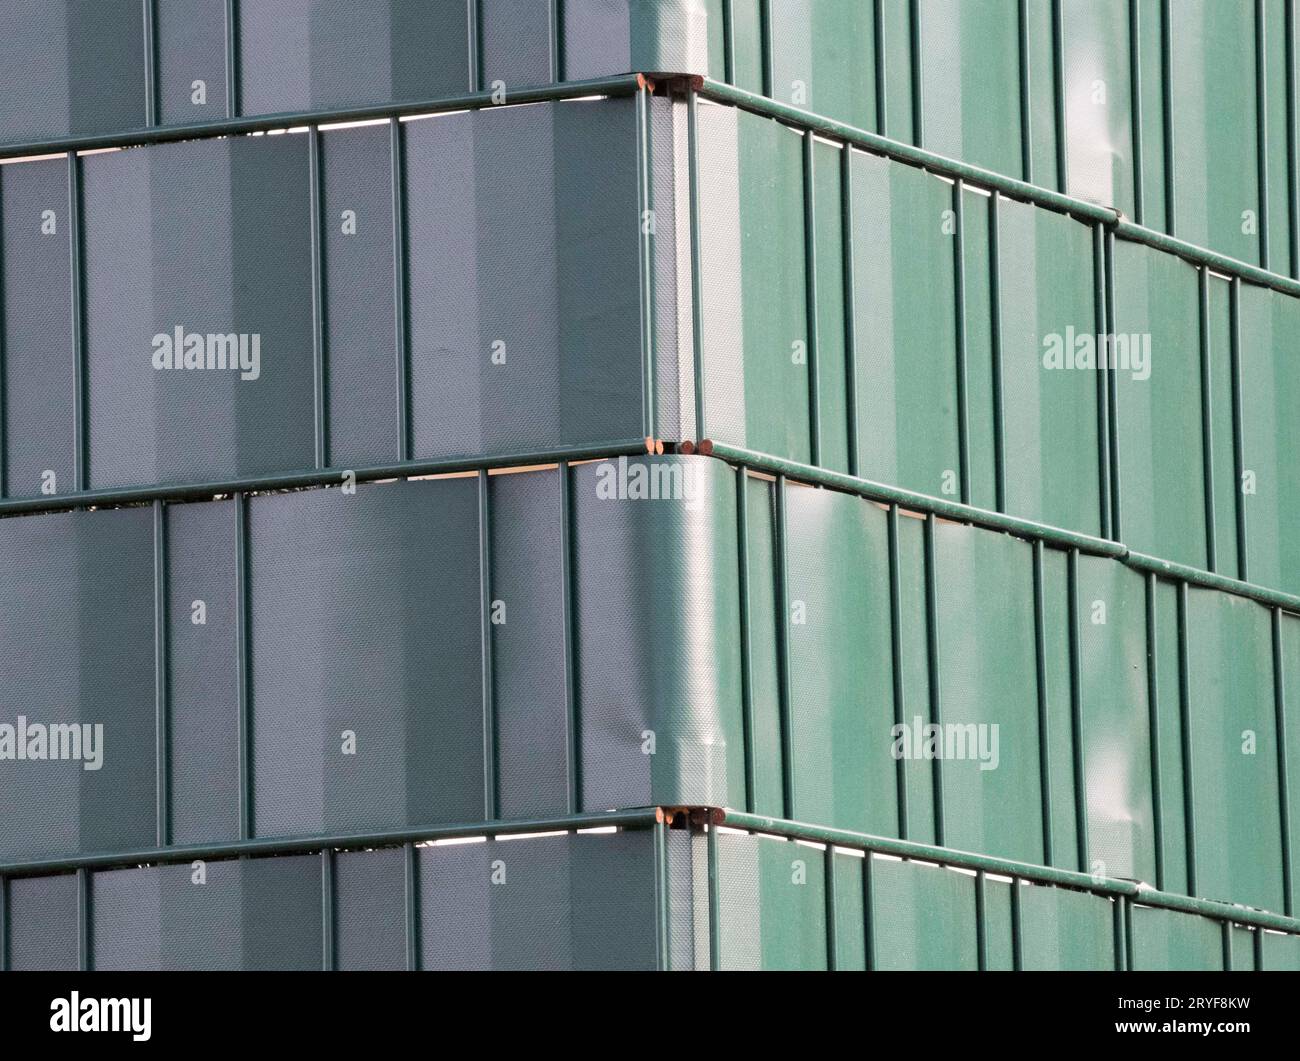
970,81
1234,750
1278,166
1044,163
830,339
191,58
747,41
989,704
898,120
42,923
1161,459
923,916
1052,449
906,332
914,664
1270,395
823,58
850,924
981,403
370,909
772,903
999,945
754,299
1222,449
1116,724
1169,940
1171,807
1154,207
1063,929
1281,952
763,675
841,662
1059,783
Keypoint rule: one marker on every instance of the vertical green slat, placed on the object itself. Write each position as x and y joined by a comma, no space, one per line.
1167,109
645,254
1112,395
232,58
1153,724
317,296
162,746
729,41
849,268
746,645
149,15
397,162
410,878
810,298
697,283
1017,927
896,651
932,646
765,33
242,666
1135,94
1058,89
77,273
783,646
1026,95
1119,922
918,95
868,913
1044,714
327,909
1258,947
573,742
490,798
1125,957
474,18
832,942
959,310
982,921
1185,713
1106,457
1207,421
1261,126
84,963
715,899
995,351
1076,710
1238,429
557,41
1283,775
663,950
882,86
1292,163
1225,928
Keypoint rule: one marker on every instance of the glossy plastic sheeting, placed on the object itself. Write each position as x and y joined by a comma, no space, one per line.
205,362
398,656
1178,113
79,67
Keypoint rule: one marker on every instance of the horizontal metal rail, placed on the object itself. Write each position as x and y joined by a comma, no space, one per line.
638,817
1136,891
987,179
620,85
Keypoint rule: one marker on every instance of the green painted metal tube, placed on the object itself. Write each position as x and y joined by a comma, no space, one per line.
907,849
1207,580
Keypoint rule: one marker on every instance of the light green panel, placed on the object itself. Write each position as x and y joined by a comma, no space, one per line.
970,78
832,358
906,329
841,662
850,924
918,774
1161,466
1060,709
999,943
1153,209
1270,402
1216,180
1171,807
773,903
823,58
1111,618
747,39
1050,409
898,106
1234,750
1280,251
753,286
1044,169
922,916
1290,715
1099,102
1170,940
764,678
1243,949
976,208
1223,461
989,702
1063,929
1281,952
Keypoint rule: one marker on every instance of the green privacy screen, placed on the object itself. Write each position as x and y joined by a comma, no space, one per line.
853,312
635,898
655,631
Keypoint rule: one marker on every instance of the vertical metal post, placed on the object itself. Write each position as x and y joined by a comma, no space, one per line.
1076,711
1058,80
327,909
1026,96
76,271
317,296
557,41
1225,928
918,79
896,651
932,645
1283,773
162,720
1292,163
232,59
397,164
1135,110
1207,421
1167,111
84,961
1044,712
995,336
959,321
1112,390
982,922
1017,927
782,547
714,898
832,936
149,15
1105,455
490,794
810,296
1238,431
849,295
729,41
664,948
242,671
474,20
568,574
1153,724
411,895
868,911
746,643
1261,126
1185,712
697,282
645,226
882,82
1119,933
768,60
